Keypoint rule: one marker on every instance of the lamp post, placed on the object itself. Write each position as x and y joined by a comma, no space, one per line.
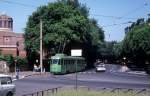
76,53
17,54
37,61
15,66
124,59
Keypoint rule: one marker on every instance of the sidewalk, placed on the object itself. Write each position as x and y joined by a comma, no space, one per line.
137,72
129,71
25,74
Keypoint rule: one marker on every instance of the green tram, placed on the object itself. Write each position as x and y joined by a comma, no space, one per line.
61,64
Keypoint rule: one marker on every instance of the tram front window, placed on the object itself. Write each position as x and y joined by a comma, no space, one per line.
55,61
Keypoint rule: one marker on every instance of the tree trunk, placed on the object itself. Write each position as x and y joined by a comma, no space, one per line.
64,45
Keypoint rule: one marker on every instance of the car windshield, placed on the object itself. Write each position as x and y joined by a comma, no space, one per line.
100,65
5,80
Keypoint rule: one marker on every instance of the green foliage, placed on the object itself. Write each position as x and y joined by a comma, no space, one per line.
110,51
96,33
61,24
64,22
136,44
21,63
117,48
138,40
1,57
76,5
9,59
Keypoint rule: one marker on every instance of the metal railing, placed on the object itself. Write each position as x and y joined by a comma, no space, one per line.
47,92
113,91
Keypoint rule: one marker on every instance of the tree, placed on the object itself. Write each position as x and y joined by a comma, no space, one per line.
136,44
110,51
76,5
64,25
21,63
117,48
94,42
9,59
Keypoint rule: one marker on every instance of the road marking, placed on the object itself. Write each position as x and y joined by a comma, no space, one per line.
92,72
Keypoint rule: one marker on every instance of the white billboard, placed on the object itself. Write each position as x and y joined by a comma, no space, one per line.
76,52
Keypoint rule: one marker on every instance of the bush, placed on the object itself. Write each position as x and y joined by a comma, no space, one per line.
21,63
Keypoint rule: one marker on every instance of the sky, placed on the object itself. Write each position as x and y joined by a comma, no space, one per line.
112,15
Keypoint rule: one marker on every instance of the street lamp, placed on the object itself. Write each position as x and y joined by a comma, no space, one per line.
37,61
15,66
16,70
124,59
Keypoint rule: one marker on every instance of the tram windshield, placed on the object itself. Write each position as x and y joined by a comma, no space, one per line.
55,61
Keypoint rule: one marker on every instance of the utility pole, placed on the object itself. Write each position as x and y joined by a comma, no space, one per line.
41,53
16,62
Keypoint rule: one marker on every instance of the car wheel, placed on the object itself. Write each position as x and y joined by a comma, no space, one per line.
10,94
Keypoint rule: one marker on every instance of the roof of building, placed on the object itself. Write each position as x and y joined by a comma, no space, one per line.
4,16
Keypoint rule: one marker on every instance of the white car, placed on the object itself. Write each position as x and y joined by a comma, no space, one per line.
100,68
7,88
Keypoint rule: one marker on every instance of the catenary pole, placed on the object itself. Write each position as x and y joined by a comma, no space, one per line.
41,53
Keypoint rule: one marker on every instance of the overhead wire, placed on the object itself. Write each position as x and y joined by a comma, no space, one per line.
116,24
134,10
123,16
113,17
107,16
17,3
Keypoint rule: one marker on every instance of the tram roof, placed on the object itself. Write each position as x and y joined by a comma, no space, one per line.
59,56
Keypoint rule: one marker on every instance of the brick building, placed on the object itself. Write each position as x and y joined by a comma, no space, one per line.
9,39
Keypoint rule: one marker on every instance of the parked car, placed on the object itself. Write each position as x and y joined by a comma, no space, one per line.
100,68
7,88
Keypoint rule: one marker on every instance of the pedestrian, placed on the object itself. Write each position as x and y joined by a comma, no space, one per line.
35,68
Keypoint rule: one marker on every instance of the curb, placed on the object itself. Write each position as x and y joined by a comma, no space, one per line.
137,72
28,75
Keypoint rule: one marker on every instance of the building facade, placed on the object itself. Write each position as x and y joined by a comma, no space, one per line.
11,43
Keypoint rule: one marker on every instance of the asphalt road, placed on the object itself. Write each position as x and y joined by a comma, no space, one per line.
108,79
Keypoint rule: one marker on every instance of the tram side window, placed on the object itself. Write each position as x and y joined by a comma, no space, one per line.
64,62
79,62
68,61
73,62
61,62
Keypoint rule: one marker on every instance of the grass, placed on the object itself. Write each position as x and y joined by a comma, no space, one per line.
83,92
